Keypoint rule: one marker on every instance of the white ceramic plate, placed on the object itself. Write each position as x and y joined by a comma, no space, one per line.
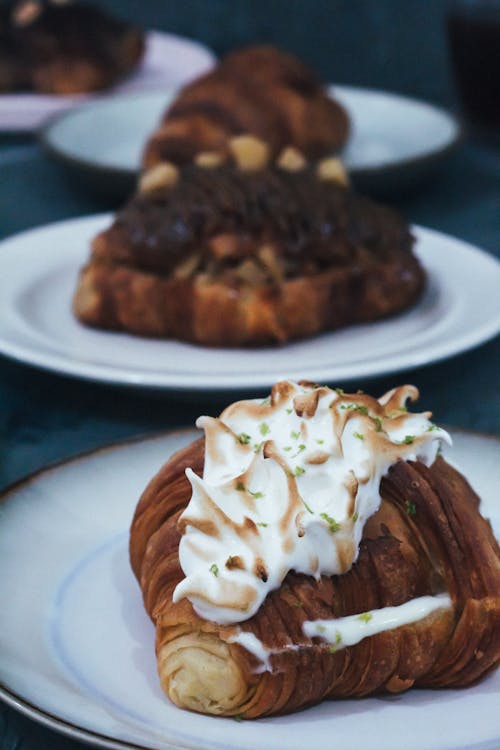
390,128
38,271
169,60
78,649
394,139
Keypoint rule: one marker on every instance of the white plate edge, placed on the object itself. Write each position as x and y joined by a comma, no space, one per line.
118,376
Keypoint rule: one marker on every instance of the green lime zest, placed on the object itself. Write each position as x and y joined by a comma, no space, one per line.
408,440
333,525
365,616
411,508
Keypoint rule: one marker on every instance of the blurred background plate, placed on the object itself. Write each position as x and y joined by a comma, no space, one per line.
395,141
169,60
38,273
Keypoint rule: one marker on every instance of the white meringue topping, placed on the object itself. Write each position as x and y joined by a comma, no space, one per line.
288,484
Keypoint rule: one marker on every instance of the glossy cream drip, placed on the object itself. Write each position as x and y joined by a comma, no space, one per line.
288,484
262,653
347,631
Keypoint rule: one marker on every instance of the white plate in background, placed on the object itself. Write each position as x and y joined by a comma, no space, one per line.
38,274
78,648
169,61
394,140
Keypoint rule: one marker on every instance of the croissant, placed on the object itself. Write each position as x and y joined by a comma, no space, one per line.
64,48
247,253
259,90
415,603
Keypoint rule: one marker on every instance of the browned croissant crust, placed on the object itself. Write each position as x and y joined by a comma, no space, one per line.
258,90
227,256
443,543
64,47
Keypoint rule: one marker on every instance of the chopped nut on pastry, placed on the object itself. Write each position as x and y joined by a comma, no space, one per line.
315,545
250,153
332,169
292,159
209,159
162,175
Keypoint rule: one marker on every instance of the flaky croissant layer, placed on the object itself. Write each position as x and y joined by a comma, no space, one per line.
426,538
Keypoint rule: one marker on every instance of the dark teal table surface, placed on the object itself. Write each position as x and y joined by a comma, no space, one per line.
45,418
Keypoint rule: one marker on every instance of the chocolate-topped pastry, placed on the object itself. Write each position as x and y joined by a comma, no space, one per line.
246,252
259,90
64,47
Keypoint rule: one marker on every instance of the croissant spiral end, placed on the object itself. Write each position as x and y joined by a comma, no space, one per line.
198,673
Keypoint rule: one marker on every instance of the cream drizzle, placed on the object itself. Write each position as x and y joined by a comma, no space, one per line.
288,484
346,631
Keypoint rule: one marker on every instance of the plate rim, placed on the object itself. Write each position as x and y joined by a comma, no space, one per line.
430,155
61,726
86,165
94,167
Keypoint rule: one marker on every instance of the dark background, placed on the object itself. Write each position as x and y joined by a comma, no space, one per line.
393,44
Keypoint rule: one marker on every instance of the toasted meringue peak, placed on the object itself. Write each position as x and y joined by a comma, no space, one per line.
288,484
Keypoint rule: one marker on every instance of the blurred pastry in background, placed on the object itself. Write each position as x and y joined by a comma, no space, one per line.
259,90
241,250
64,47
244,231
